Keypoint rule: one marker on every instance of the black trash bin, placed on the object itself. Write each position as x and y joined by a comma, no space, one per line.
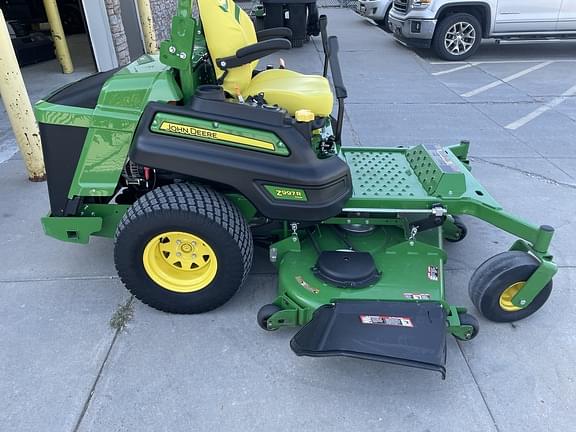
300,16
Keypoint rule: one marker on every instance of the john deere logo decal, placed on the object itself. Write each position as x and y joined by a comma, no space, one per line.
211,135
188,130
223,5
288,194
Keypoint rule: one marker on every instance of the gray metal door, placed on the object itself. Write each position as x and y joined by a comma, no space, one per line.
100,36
527,16
567,19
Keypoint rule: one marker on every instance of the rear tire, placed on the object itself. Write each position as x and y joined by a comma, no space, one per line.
457,37
208,234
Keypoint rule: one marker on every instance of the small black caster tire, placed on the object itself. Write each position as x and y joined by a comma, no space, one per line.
462,228
498,280
469,320
265,313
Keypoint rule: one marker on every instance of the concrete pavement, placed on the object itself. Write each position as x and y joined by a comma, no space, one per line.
64,368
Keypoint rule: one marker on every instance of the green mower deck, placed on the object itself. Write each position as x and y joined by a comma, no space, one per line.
400,197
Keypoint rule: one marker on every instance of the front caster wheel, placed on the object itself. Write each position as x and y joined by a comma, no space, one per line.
457,232
496,282
468,320
264,315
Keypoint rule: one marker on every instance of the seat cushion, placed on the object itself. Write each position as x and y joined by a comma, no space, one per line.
293,91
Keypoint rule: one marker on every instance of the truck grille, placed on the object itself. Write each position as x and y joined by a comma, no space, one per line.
401,6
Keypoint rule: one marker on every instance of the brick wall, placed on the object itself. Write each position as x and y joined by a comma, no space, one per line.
163,11
118,33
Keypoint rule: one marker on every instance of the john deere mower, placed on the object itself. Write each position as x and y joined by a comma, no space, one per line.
188,158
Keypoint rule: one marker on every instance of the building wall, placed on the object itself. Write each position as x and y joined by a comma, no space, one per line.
118,34
163,11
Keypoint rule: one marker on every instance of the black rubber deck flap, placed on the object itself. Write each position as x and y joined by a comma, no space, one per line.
404,333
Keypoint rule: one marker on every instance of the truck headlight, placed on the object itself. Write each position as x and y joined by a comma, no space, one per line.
421,4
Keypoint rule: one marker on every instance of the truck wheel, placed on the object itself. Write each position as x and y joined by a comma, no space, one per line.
383,23
183,249
457,37
495,283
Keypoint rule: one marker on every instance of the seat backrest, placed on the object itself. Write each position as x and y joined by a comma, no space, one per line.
228,28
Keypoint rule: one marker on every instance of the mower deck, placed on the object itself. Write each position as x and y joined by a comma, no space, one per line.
402,208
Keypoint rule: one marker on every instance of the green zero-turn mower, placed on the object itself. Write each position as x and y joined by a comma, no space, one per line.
188,158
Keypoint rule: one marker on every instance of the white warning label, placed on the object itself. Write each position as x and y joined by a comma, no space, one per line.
386,320
415,296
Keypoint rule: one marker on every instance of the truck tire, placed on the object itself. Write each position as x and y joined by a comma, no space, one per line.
183,248
384,24
457,37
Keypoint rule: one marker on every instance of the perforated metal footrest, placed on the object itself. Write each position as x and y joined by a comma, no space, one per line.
404,333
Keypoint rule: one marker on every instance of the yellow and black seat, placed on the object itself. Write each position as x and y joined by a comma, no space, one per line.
235,48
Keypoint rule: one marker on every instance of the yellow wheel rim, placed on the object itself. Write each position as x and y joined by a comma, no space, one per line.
180,262
508,294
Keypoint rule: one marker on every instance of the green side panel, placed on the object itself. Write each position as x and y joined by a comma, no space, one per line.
285,193
50,113
94,219
218,133
101,163
111,214
120,106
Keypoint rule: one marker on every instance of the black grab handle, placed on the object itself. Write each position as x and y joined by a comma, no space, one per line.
323,20
337,80
331,47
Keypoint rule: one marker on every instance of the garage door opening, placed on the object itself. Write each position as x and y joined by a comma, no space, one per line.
30,34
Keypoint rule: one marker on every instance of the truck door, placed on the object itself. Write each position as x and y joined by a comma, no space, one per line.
567,18
527,16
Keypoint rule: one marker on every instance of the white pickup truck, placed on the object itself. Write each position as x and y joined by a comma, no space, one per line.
454,29
377,10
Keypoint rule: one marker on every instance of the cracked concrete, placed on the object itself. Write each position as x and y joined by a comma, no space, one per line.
65,368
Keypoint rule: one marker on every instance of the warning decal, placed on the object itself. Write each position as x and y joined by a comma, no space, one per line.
413,296
433,273
386,320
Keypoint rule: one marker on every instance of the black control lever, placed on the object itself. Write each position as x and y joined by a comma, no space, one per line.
436,219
